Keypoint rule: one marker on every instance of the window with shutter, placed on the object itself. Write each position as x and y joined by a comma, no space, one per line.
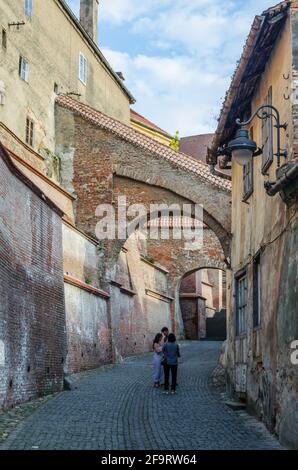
29,131
267,137
257,291
241,303
248,176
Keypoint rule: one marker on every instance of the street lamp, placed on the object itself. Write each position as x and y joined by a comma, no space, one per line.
243,149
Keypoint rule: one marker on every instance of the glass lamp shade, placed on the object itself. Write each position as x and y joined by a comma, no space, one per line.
242,148
242,156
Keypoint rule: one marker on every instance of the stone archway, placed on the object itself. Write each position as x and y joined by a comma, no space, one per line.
102,159
202,295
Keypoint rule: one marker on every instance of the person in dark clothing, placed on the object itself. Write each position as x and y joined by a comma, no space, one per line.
165,332
171,354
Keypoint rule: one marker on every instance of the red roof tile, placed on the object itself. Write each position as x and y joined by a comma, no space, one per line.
142,120
141,140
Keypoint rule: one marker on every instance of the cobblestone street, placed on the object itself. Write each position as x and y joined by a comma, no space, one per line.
119,409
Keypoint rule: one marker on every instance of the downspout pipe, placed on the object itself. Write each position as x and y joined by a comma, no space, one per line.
290,175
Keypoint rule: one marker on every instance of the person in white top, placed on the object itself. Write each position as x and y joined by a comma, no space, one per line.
157,358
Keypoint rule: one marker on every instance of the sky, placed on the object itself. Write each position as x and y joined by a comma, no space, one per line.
177,56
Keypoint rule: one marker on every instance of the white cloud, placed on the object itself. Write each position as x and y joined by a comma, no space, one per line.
175,92
193,47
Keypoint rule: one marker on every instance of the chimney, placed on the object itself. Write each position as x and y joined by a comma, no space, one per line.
89,17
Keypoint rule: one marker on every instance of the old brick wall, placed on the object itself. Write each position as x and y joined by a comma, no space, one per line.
32,321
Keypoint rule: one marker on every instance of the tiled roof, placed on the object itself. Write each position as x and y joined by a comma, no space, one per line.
256,52
142,120
141,140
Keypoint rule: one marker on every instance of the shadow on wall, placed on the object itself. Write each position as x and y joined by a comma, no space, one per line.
216,326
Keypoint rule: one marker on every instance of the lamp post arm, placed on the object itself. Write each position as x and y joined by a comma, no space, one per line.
264,116
275,114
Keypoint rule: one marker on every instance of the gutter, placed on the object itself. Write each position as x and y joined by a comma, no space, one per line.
285,180
96,49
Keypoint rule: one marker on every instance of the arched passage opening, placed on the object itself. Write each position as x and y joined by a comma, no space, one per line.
202,297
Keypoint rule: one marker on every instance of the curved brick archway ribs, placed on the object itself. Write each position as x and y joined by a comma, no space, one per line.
102,158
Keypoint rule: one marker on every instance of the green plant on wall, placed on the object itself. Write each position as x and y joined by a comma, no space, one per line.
88,279
149,259
175,143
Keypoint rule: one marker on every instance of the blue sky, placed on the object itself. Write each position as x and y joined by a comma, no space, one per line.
177,56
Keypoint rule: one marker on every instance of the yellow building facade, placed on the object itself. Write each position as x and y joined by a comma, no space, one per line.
262,280
46,51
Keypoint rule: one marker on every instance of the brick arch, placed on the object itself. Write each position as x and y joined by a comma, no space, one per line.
99,149
147,191
178,312
102,158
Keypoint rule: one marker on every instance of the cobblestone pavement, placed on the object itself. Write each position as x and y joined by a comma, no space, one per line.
119,409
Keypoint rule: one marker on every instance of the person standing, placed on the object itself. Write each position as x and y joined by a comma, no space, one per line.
165,332
171,354
157,358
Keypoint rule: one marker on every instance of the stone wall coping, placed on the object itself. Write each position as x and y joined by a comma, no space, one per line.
94,241
155,265
5,155
41,175
192,295
82,285
16,138
159,295
125,290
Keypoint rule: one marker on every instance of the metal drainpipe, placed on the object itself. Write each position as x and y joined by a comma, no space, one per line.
274,188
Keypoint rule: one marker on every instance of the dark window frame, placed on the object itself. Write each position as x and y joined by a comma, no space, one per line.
257,291
4,39
29,136
241,302
267,138
248,176
25,77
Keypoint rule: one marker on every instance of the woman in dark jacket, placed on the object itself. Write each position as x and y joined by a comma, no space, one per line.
171,353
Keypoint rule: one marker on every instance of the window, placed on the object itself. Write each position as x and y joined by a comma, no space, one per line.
4,38
24,69
241,303
29,131
248,176
28,8
267,137
83,69
257,291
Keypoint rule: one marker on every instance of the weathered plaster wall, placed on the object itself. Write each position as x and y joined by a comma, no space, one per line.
52,44
88,332
32,320
86,307
268,224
